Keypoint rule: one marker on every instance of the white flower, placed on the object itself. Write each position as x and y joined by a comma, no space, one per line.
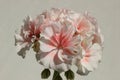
58,46
90,60
28,34
61,38
91,43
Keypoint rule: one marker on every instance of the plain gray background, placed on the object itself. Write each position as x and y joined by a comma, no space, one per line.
12,12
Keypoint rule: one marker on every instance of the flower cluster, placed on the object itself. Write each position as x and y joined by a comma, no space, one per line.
62,38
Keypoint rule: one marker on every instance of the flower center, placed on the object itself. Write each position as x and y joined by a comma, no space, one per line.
60,46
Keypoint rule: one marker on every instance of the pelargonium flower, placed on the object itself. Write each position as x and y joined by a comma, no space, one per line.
58,46
62,38
29,33
91,44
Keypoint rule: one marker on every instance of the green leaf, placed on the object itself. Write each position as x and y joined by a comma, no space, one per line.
45,74
69,75
56,76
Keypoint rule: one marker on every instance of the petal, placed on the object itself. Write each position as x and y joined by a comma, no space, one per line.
67,58
67,32
59,64
26,25
53,60
86,42
21,45
82,70
45,45
73,47
47,57
22,48
98,38
61,67
90,18
92,57
50,28
83,25
18,39
48,32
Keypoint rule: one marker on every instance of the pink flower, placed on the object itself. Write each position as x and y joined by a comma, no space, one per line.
64,38
90,60
29,32
91,44
58,46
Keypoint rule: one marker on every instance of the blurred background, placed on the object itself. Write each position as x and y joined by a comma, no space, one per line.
12,13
